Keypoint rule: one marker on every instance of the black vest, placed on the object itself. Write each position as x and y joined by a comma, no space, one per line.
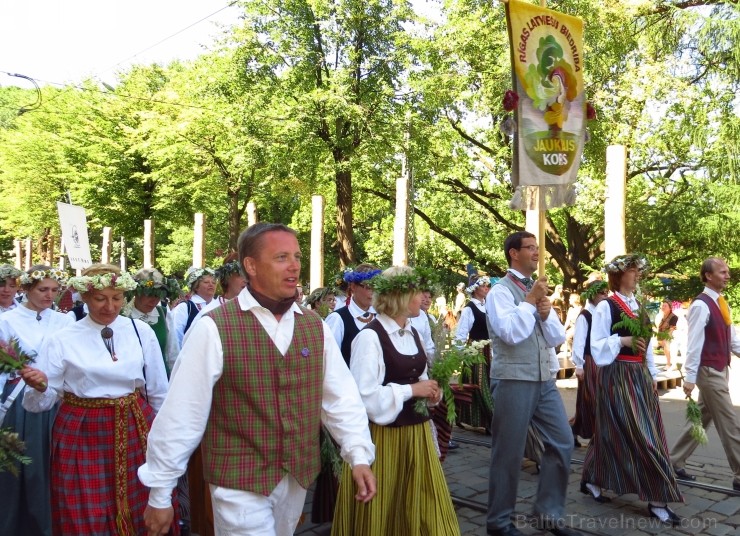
589,318
479,331
350,332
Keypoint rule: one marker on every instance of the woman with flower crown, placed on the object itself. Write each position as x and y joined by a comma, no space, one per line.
26,501
8,287
628,452
202,285
388,363
108,371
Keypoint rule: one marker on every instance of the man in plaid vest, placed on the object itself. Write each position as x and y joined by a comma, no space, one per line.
254,381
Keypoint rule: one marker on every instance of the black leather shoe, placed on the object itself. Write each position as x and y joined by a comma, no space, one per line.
597,498
736,485
681,474
673,518
563,531
576,443
452,445
508,530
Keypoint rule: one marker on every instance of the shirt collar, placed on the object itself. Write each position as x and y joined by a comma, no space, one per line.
711,293
355,309
518,274
391,326
154,314
247,302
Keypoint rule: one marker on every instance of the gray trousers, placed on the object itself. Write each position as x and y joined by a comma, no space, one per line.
515,404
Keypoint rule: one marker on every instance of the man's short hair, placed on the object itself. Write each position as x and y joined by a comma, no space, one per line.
514,241
708,266
250,241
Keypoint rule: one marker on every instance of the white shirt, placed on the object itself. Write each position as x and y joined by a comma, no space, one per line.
75,360
421,323
21,323
605,346
698,319
383,402
171,347
579,337
467,318
180,424
180,316
514,323
336,323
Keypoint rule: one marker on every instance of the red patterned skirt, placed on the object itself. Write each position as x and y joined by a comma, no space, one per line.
97,447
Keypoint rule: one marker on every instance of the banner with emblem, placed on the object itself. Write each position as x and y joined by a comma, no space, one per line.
73,221
548,102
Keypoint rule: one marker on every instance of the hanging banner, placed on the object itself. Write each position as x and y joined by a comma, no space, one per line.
73,221
547,66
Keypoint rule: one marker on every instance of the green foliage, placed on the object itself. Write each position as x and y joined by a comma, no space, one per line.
693,417
11,452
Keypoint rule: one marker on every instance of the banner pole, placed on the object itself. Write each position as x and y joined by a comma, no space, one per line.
541,230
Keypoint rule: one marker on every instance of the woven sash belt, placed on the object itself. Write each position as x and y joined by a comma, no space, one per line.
630,358
122,406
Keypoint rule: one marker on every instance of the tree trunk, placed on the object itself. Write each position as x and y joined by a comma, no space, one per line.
345,237
235,219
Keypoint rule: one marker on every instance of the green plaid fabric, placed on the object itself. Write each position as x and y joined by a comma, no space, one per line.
265,416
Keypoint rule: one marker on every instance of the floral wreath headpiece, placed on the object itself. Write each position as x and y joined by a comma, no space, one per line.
397,283
482,280
621,263
319,294
153,283
194,274
593,289
57,275
227,270
8,271
87,283
350,276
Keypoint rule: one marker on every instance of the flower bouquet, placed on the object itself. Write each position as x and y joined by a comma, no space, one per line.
693,416
451,366
11,452
12,357
640,327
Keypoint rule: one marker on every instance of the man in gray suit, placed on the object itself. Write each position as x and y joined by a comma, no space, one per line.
523,326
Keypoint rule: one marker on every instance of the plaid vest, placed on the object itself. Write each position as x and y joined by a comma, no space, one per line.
265,415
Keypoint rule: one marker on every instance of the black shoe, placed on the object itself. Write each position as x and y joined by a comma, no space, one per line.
576,443
597,498
736,485
673,518
563,531
681,474
452,445
508,530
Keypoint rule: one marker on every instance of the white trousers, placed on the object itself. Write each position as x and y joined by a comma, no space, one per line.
241,513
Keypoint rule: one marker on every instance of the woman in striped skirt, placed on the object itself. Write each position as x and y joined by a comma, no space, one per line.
389,365
109,374
628,453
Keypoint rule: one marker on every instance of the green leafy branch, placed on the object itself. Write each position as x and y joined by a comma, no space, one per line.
693,417
453,362
11,452
640,327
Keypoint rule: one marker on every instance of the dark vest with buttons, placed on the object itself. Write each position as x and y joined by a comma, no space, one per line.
479,330
403,370
350,332
716,350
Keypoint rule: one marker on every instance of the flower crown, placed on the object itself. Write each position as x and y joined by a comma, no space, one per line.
593,289
8,271
86,283
319,294
228,269
482,280
623,262
196,273
37,275
408,282
153,283
350,276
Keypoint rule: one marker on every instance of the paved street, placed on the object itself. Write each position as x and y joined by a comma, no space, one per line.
705,511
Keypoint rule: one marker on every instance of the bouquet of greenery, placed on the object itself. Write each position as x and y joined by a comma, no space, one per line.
693,416
12,356
11,452
640,327
452,363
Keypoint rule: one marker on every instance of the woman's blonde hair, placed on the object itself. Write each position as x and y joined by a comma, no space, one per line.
395,302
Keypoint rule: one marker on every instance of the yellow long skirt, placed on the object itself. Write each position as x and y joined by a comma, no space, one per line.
412,499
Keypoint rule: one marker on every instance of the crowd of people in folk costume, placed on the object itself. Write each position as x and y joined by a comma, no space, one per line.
143,412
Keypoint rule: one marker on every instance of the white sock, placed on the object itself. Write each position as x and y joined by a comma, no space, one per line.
661,512
595,490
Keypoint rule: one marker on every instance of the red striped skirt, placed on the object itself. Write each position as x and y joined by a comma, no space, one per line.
97,447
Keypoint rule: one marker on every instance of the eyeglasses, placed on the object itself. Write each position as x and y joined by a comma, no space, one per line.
532,248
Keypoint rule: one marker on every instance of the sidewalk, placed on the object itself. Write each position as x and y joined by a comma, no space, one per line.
705,511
